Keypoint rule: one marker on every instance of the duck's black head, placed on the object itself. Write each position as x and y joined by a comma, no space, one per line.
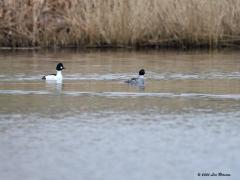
141,72
60,67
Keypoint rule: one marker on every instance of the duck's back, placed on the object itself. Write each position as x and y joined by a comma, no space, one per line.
136,81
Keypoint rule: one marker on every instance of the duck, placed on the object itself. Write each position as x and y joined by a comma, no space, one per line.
139,81
55,77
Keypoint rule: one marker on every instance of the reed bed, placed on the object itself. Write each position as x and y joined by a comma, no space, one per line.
119,23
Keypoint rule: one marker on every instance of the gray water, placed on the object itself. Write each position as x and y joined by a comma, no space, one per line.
93,126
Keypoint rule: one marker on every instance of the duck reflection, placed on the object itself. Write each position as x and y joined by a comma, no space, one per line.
54,87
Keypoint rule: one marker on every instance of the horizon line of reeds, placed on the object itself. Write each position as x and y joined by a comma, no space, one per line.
119,23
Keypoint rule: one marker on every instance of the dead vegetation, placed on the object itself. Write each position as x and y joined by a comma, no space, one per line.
119,23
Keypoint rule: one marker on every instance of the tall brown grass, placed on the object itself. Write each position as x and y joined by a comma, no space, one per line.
124,23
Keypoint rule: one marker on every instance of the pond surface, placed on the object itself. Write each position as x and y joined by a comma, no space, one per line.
185,121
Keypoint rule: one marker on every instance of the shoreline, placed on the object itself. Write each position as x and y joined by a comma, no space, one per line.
122,47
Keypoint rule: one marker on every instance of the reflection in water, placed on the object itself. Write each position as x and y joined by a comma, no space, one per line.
55,87
95,126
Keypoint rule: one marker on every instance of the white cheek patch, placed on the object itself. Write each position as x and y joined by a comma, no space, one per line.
61,67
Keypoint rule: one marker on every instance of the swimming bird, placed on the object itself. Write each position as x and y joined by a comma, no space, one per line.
139,81
55,77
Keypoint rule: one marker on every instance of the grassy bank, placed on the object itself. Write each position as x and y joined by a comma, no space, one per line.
124,23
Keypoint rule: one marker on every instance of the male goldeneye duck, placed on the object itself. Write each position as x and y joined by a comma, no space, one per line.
55,77
139,80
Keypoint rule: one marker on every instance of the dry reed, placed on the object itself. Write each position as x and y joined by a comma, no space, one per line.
79,23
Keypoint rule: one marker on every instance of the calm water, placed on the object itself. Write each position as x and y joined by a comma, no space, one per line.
185,121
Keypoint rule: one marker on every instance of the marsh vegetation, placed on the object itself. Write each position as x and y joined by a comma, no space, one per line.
120,23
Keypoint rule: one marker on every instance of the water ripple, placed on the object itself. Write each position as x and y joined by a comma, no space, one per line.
157,76
124,76
127,94
194,76
23,92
